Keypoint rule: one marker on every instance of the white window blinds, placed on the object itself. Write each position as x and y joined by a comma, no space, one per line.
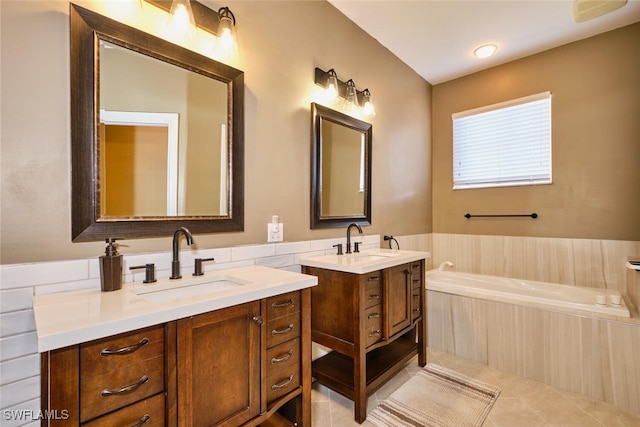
503,144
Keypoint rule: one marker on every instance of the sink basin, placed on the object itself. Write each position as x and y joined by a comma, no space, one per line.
186,288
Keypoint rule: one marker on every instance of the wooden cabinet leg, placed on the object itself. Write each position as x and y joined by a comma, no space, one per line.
360,387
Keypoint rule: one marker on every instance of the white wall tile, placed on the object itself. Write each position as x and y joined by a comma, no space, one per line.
24,414
240,253
19,369
23,275
17,346
20,391
16,299
17,322
282,261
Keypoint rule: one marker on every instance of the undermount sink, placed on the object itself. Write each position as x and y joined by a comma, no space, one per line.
366,258
185,288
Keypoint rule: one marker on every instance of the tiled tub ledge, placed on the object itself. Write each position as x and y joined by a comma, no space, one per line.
595,357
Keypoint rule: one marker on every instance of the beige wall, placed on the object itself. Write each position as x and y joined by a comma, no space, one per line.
280,45
595,193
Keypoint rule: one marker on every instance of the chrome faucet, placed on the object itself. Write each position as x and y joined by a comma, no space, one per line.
348,251
175,264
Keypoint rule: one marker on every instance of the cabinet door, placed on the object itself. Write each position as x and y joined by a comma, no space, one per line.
397,286
219,367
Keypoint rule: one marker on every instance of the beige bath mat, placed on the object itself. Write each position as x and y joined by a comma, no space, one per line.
436,396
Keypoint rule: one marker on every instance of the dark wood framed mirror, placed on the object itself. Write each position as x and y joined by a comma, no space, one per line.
340,169
197,182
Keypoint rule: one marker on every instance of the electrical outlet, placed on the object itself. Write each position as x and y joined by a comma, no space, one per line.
275,232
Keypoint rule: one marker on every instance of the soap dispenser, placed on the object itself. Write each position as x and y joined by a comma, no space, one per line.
110,268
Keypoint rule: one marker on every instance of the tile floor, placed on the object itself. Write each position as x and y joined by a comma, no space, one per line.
522,402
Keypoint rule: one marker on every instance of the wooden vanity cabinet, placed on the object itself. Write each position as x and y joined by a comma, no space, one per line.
374,323
219,367
244,365
119,380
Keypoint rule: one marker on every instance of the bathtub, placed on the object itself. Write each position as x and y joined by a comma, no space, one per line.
573,298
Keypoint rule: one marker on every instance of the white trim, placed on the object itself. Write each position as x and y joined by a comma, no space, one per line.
224,209
168,120
504,104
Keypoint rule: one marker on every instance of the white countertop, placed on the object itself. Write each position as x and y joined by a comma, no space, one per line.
69,318
365,261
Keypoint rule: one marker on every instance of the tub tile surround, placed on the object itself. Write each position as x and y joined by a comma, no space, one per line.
593,357
579,262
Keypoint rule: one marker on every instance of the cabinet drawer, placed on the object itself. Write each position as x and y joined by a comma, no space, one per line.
416,307
373,289
283,329
283,355
147,413
103,393
373,324
108,354
283,305
282,381
416,274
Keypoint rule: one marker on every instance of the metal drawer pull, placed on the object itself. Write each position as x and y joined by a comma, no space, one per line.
416,310
374,296
375,333
282,358
373,316
106,392
282,304
283,331
125,350
282,384
373,279
143,420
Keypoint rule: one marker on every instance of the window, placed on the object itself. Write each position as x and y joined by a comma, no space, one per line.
504,144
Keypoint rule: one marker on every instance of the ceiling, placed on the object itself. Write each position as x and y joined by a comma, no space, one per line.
436,38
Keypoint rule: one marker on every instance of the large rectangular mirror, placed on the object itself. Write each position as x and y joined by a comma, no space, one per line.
340,169
157,135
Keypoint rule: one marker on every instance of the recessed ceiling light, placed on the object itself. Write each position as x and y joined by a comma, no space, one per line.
485,50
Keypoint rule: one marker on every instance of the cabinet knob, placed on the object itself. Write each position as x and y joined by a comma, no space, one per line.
257,320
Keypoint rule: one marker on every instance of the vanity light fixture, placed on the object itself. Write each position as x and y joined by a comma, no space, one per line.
350,103
367,106
226,44
354,101
189,14
181,20
485,50
332,89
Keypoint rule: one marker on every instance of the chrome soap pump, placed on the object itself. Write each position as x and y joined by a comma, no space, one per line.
110,268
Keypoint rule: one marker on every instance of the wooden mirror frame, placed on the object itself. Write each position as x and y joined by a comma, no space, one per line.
86,28
318,113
